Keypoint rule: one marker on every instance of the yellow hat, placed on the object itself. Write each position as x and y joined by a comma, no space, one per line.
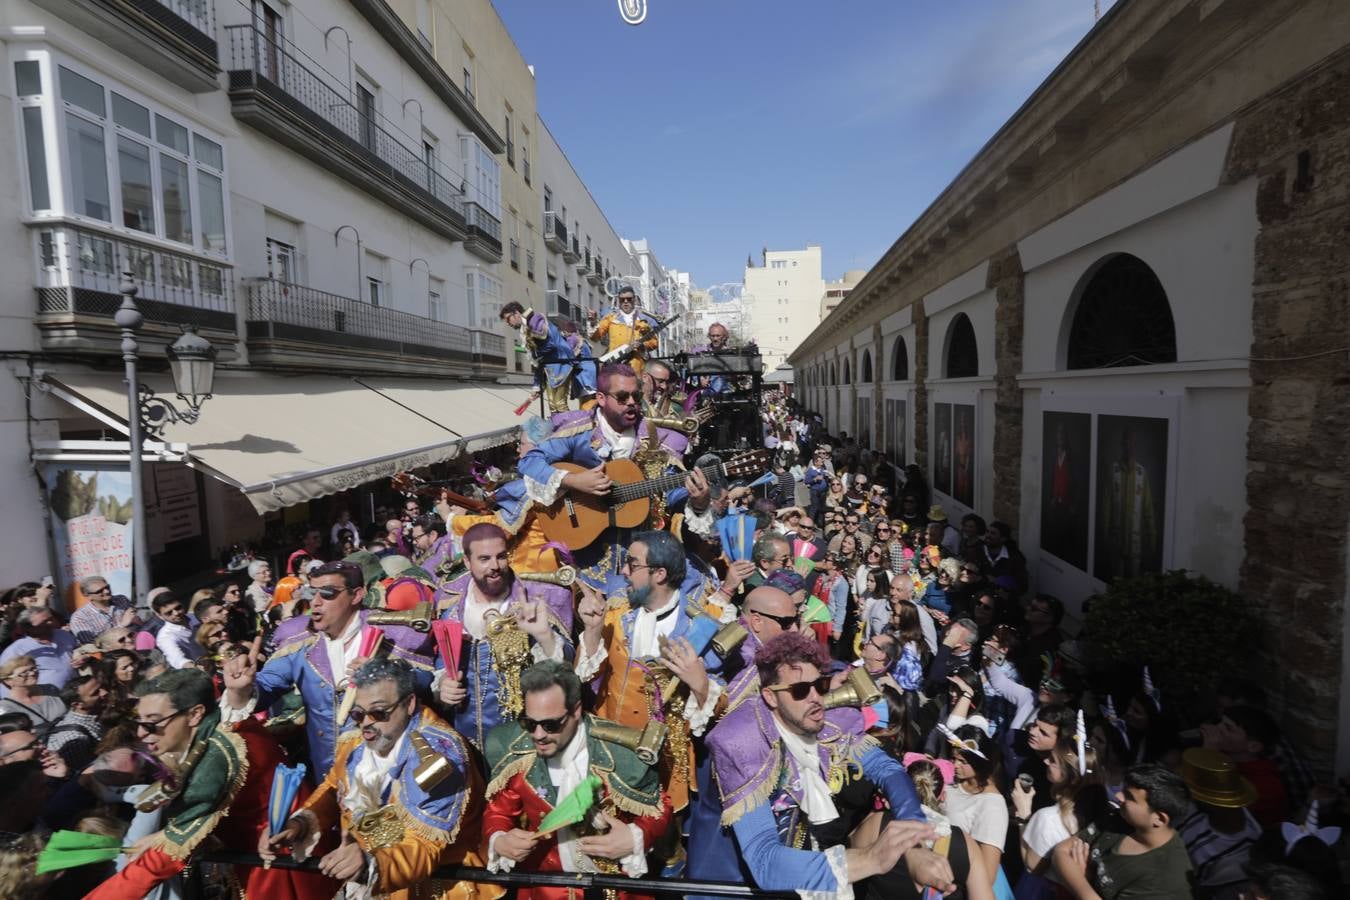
1214,779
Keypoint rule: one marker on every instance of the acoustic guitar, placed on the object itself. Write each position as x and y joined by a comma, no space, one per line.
577,519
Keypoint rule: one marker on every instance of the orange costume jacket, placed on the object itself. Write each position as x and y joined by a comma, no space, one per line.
521,794
417,830
615,333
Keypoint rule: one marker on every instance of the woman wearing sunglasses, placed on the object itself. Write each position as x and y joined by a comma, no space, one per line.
20,678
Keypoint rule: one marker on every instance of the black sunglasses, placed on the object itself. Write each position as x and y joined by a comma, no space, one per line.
625,396
784,622
377,715
551,726
329,592
802,689
157,727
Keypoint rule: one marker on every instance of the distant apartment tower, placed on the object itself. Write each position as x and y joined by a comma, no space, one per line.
836,291
781,302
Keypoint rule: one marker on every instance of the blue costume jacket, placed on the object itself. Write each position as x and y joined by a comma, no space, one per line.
301,662
481,711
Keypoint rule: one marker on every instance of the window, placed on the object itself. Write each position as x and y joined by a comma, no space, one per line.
125,163
510,136
1123,318
436,300
900,361
778,264
525,160
468,83
424,23
529,264
365,115
485,299
281,262
867,367
376,281
963,353
374,290
548,199
483,173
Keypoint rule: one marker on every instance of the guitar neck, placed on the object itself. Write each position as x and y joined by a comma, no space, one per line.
634,490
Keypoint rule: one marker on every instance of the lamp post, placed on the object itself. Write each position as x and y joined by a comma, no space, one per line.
192,361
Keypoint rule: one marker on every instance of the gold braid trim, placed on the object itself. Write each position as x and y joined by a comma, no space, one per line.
759,796
236,751
440,836
295,646
506,771
629,804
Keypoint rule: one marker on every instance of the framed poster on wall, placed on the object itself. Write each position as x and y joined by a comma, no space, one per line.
1066,486
963,454
942,447
1131,495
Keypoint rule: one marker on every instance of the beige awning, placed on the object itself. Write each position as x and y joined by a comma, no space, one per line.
283,439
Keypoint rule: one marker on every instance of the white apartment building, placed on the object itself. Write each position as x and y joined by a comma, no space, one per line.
583,255
780,305
304,185
836,291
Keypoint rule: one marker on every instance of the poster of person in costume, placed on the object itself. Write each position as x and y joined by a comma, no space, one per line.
1066,444
1131,495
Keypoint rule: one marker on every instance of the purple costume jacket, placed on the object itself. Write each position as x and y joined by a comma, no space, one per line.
761,820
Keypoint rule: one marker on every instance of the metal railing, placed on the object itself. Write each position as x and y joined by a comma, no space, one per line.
484,221
590,886
573,251
200,14
555,230
330,316
488,343
556,304
259,56
78,259
515,255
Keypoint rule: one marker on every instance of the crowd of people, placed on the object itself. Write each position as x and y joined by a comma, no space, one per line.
807,678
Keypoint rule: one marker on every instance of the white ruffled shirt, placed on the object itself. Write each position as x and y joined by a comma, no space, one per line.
620,444
817,802
651,625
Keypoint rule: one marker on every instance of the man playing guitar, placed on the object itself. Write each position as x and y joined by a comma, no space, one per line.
614,430
626,325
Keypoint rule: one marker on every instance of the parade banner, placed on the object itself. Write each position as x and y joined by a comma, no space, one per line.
91,525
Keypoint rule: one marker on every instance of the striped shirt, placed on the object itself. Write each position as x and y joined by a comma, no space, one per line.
1218,858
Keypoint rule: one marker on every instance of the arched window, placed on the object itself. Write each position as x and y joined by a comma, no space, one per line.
900,361
963,354
867,367
848,375
1123,318
834,374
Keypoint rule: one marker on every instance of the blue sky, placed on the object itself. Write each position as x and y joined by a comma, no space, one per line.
718,127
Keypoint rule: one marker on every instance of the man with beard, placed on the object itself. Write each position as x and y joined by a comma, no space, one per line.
403,794
632,652
226,782
538,762
490,590
615,429
781,763
316,654
626,327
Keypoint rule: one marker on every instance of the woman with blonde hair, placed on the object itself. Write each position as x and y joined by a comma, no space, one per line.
19,675
123,638
1078,787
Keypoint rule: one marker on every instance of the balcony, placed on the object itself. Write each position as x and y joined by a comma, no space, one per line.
485,233
515,255
555,232
77,287
300,327
572,252
556,306
595,276
582,264
173,38
272,91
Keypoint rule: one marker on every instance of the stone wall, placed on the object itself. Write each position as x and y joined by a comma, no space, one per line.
1297,143
1008,282
920,385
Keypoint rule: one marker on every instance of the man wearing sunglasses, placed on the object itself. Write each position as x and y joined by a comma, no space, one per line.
776,757
627,329
224,795
539,760
316,654
613,430
619,645
490,588
394,828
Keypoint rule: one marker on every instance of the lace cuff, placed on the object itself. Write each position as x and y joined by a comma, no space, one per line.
538,654
698,715
634,865
587,667
700,523
545,492
495,861
835,856
229,715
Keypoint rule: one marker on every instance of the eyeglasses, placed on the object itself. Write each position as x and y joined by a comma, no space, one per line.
550,726
328,592
377,715
24,673
632,566
805,527
784,622
157,727
625,396
802,689
881,530
35,745
103,590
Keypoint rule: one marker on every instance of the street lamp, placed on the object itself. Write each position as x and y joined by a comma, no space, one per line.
192,362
